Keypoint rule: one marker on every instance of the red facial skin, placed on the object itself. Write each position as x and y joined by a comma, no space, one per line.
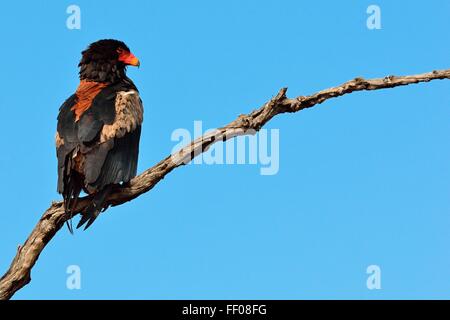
128,58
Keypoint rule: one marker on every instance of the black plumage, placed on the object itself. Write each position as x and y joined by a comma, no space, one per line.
99,129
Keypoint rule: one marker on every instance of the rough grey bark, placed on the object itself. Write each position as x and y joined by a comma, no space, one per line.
19,273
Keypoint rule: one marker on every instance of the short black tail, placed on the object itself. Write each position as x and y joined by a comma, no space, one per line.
71,194
95,208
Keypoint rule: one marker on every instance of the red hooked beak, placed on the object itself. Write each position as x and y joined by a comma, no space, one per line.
128,58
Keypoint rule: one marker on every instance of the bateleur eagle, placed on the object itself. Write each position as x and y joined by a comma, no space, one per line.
99,127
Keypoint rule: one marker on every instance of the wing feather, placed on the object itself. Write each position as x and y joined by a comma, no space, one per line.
107,134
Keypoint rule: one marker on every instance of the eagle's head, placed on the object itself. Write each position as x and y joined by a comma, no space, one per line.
106,61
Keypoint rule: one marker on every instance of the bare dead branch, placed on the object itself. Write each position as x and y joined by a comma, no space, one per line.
19,273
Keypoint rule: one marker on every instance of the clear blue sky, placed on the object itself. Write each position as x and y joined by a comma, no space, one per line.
363,179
